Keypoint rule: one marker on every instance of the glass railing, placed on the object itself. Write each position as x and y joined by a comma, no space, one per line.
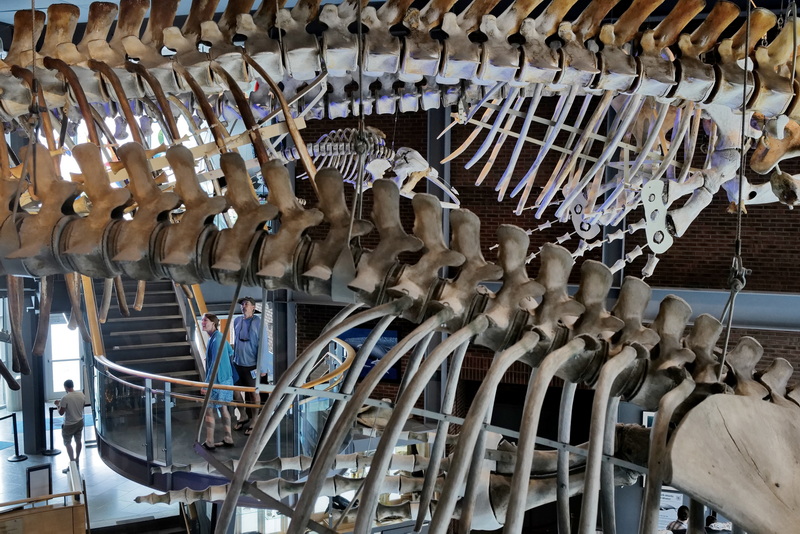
312,411
156,418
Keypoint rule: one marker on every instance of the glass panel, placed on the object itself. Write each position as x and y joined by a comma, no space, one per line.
159,424
121,412
185,418
63,370
65,344
248,520
4,349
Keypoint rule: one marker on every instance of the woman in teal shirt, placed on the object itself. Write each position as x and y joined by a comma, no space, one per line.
210,325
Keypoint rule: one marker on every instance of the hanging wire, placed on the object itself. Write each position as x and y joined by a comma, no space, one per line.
738,273
34,110
793,8
360,144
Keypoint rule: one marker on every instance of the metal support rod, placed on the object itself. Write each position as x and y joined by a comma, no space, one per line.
168,423
17,456
148,419
52,451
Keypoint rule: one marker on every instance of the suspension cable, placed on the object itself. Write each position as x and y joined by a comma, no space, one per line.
738,273
360,143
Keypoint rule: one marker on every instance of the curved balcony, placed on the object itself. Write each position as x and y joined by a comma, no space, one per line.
156,424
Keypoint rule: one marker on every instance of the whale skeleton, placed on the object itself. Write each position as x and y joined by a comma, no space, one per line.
209,75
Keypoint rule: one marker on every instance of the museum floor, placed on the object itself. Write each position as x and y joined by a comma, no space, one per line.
109,495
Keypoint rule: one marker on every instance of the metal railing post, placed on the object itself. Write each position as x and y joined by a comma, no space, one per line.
52,451
17,456
148,419
167,423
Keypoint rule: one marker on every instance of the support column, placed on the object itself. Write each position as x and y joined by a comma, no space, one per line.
284,350
33,389
438,119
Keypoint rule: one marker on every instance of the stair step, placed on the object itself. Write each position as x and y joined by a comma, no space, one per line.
152,308
145,332
186,375
183,374
169,359
151,345
150,318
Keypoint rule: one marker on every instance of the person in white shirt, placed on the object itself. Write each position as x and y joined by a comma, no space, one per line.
71,407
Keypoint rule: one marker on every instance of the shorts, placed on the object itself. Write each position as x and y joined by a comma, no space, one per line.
224,395
72,430
245,375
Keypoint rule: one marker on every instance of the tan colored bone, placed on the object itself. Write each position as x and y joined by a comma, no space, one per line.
162,14
260,46
667,368
100,18
517,293
85,234
702,39
266,13
619,68
731,431
153,205
658,74
373,266
737,47
417,279
232,243
227,23
56,196
16,309
27,30
458,293
76,316
772,149
180,240
775,379
596,281
697,78
557,307
301,49
668,30
295,220
62,19
742,360
201,11
633,298
702,340
332,204
730,75
540,63
129,22
774,62
627,25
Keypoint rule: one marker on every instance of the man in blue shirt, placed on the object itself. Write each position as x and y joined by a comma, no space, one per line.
246,332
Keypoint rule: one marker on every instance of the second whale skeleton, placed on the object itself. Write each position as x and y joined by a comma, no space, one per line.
533,321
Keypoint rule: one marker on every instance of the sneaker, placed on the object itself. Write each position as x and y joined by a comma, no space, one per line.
65,470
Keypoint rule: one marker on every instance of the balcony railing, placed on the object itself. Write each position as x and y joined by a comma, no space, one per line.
155,418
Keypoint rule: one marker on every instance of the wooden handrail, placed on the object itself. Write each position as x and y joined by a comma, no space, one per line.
40,498
102,360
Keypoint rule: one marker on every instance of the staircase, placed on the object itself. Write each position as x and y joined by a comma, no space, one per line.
153,340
